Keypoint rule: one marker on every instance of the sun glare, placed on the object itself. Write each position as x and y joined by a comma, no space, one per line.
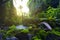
21,7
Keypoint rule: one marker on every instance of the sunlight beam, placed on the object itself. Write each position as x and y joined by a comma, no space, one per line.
21,7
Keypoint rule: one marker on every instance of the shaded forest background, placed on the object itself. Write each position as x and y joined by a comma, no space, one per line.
49,9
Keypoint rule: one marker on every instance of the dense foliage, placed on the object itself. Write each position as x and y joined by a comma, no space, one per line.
40,10
37,34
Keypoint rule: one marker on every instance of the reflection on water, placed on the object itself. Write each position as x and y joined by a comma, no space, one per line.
21,27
